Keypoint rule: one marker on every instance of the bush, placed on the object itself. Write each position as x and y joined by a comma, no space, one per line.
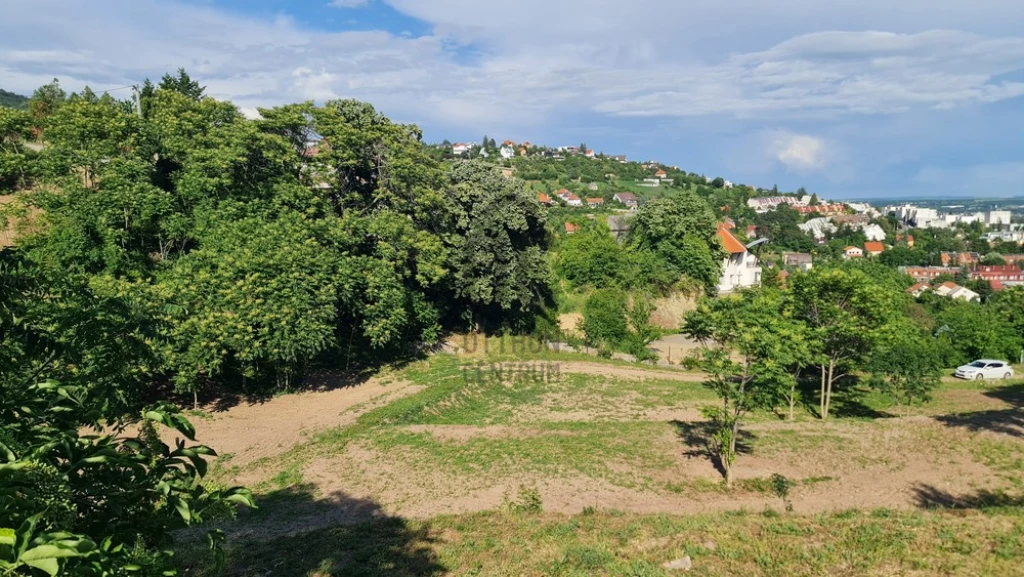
604,317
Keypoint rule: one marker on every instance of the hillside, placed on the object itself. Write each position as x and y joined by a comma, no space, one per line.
12,100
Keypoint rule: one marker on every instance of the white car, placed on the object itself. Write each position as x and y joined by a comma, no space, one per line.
985,369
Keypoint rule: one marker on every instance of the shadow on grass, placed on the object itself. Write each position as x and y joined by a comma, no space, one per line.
296,533
699,442
1006,421
929,497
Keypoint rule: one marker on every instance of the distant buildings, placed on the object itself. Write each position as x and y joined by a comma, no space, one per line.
931,218
765,204
626,198
947,289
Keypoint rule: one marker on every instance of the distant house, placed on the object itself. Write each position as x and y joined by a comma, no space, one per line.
1007,273
660,174
544,199
751,231
507,152
874,248
909,239
626,198
729,223
853,252
741,268
595,202
460,148
956,292
573,200
621,158
590,154
571,228
927,273
918,289
509,143
800,260
959,258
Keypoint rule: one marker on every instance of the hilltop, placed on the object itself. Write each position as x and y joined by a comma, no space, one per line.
12,100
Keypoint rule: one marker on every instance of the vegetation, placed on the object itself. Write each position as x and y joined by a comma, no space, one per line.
12,100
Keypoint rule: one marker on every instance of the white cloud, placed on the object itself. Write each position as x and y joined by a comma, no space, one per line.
799,152
535,60
348,3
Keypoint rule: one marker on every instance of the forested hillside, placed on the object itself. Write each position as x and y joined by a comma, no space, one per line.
12,100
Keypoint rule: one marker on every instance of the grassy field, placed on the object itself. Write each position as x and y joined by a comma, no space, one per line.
539,463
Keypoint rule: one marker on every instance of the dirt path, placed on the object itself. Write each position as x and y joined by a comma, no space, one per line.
252,431
631,373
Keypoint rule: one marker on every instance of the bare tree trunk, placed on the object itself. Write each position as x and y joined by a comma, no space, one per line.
828,389
821,397
792,403
195,399
728,463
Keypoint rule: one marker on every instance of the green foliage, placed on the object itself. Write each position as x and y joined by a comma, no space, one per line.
604,317
906,367
183,84
593,258
96,504
46,100
12,100
973,331
680,232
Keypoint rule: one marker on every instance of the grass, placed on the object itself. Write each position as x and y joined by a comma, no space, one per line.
605,543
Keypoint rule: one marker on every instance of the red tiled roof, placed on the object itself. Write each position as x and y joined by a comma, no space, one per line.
729,241
874,247
595,200
571,228
543,198
917,287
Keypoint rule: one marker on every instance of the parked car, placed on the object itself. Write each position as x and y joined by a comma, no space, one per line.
985,369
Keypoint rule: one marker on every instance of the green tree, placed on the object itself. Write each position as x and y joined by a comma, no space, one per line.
749,362
591,257
498,244
814,200
974,331
604,318
679,231
183,84
906,368
46,100
844,312
75,504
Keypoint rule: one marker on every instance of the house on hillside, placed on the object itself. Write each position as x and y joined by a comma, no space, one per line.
545,199
874,248
573,200
460,148
800,260
596,202
620,158
741,268
918,289
853,252
660,174
507,152
751,231
626,198
571,228
956,292
590,154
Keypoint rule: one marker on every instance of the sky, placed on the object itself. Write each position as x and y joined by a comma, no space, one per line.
848,98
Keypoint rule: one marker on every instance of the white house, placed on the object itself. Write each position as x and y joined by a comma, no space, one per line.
626,198
853,252
955,291
573,200
460,148
997,217
741,268
508,152
590,154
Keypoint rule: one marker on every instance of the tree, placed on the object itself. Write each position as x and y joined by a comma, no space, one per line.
46,100
974,331
844,312
993,258
498,243
814,200
679,231
75,504
592,257
604,318
182,84
718,182
748,364
906,368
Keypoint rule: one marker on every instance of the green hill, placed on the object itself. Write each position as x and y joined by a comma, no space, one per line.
12,100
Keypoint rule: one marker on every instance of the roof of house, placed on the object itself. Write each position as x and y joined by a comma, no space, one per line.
570,227
874,246
849,248
624,196
917,287
543,198
950,285
571,196
729,240
590,151
597,200
660,173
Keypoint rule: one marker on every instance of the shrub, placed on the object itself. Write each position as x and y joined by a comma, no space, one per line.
604,317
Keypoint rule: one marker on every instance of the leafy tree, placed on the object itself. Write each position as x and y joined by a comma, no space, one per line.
604,318
814,200
718,182
46,100
642,333
993,258
499,242
96,504
183,84
749,363
591,257
680,231
12,100
906,367
974,331
844,312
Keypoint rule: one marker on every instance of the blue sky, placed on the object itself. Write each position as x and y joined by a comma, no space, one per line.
850,98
